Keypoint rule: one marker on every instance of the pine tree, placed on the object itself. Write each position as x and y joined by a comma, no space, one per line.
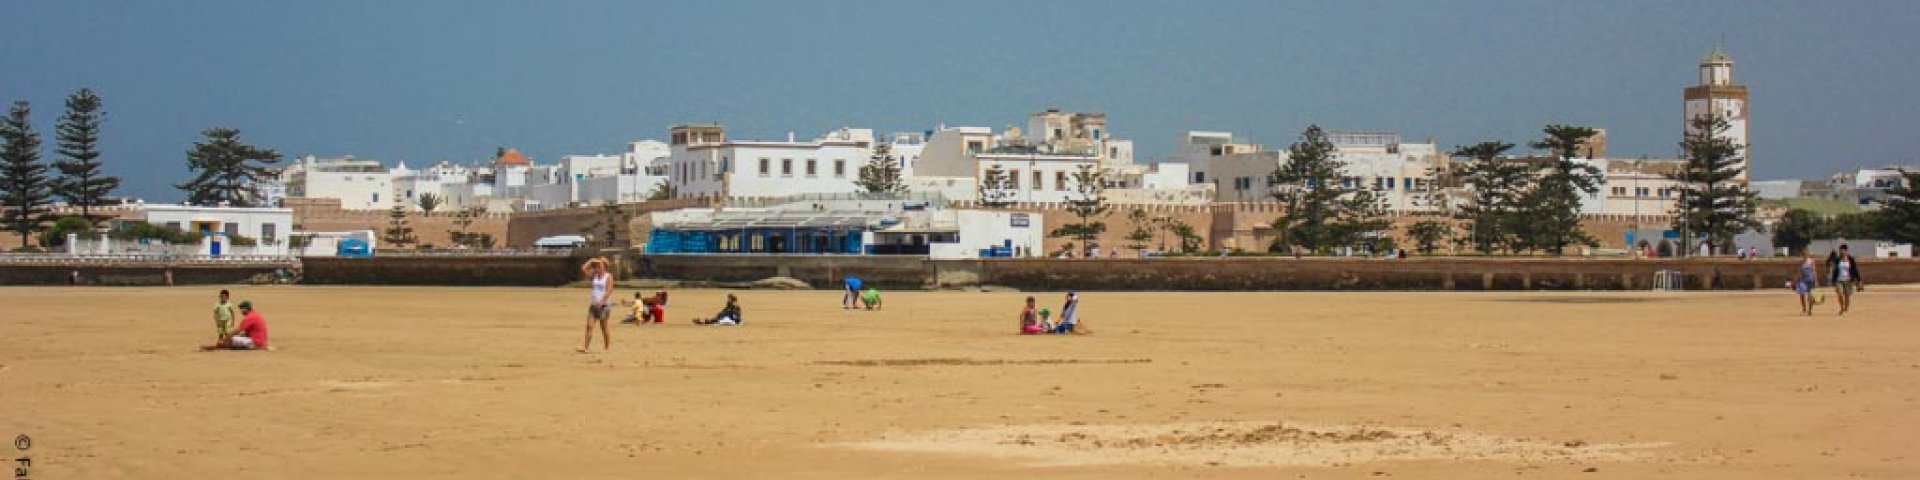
1552,219
1320,210
663,191
996,187
1142,232
25,189
1089,200
226,170
81,182
399,231
429,202
462,221
1497,184
881,174
611,224
1714,203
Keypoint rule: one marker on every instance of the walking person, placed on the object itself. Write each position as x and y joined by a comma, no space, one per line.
599,303
1845,275
1804,283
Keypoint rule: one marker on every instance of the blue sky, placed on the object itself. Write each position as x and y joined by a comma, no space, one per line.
426,80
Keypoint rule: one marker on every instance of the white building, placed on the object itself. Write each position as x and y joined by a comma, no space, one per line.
703,163
268,227
1401,172
358,184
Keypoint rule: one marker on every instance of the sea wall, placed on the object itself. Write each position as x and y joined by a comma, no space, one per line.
1252,273
1283,273
526,270
136,273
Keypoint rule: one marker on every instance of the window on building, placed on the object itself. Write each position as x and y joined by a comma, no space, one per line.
1013,179
725,166
1199,177
1060,181
173,225
810,166
1390,183
839,168
1039,182
764,167
1243,183
268,232
232,229
1096,134
376,197
786,167
975,146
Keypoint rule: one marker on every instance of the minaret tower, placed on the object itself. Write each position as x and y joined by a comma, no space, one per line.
1717,94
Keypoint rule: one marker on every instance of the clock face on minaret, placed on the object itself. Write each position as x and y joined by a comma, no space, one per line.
1717,94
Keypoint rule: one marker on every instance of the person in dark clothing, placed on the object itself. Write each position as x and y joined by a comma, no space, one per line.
1844,271
729,315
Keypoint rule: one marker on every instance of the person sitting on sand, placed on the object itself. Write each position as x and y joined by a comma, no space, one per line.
729,315
250,335
870,298
1046,320
650,309
642,309
1068,318
1029,321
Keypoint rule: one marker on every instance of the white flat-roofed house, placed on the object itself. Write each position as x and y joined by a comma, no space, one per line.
704,164
359,184
268,227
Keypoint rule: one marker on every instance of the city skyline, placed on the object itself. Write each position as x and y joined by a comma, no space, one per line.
402,83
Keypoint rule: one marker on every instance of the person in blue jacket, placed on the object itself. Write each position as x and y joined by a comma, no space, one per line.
853,293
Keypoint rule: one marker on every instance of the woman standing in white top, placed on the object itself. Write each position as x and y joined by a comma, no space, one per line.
598,304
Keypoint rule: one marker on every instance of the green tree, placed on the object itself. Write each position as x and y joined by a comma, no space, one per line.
462,222
610,225
1552,219
881,174
81,182
226,170
429,202
1900,213
1089,200
399,231
663,191
1714,203
1143,227
26,193
996,187
1320,209
56,235
1189,239
1797,228
1497,184
1429,233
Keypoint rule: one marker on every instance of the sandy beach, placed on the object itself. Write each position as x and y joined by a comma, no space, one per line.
484,383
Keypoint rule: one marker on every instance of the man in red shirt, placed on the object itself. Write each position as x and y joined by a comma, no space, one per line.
251,334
